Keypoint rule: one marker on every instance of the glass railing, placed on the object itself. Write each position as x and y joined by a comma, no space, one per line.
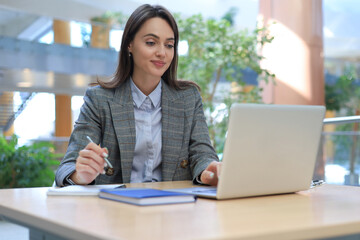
339,158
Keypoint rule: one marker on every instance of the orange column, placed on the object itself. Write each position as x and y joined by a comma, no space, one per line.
296,54
6,99
63,121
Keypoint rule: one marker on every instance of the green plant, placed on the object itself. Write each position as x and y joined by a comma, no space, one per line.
344,96
216,50
345,92
116,19
26,166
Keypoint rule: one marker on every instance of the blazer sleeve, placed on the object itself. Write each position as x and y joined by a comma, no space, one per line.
201,151
87,124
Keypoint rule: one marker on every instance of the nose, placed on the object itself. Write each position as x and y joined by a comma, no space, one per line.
160,51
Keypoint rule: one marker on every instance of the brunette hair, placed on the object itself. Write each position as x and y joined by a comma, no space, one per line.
125,65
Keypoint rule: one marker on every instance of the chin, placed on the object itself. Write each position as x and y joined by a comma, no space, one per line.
158,74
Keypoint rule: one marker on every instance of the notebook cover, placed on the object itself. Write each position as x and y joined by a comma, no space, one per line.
146,196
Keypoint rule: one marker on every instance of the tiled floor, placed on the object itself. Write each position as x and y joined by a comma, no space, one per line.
9,231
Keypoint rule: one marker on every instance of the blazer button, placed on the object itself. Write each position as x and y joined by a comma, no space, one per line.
110,171
184,163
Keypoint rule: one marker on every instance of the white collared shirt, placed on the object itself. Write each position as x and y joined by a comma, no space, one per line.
146,165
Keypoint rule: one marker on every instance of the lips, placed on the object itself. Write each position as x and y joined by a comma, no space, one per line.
158,63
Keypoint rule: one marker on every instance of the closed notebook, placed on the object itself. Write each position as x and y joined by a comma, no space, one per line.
146,196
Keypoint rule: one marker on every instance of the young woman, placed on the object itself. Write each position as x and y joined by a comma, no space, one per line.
146,123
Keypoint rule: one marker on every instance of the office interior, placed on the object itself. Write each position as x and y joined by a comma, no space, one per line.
51,50
46,65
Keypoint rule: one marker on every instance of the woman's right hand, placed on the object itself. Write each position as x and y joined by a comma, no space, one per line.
89,164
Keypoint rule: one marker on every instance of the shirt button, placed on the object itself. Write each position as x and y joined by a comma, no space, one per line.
184,163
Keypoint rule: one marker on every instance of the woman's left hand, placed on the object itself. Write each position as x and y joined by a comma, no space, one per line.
211,174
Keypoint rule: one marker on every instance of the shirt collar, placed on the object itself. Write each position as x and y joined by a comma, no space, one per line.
139,97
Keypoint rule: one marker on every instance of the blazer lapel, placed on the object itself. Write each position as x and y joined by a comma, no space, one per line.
172,130
122,113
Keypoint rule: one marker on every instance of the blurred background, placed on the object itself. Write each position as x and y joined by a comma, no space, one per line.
270,51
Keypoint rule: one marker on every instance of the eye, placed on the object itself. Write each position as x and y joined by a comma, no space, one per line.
169,46
150,43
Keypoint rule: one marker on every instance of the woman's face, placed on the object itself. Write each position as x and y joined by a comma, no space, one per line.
152,49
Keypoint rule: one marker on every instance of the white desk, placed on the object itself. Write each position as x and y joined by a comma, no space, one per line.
323,212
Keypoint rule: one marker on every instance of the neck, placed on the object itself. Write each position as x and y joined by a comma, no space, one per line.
146,85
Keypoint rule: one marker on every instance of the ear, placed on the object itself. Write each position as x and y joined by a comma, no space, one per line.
130,47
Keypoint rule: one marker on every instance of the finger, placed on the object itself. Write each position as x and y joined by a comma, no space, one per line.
209,177
81,162
212,166
106,150
103,152
86,168
91,155
96,148
87,157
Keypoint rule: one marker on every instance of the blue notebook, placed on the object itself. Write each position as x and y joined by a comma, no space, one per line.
146,196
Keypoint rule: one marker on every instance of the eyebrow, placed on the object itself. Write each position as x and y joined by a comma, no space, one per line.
157,37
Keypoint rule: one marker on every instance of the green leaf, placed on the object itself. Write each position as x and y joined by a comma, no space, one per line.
215,44
26,166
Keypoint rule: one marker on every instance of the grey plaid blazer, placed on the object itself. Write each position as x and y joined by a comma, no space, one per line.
107,116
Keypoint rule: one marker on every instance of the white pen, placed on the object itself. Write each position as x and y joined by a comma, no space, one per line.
106,160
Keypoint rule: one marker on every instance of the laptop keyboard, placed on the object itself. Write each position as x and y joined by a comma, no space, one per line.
205,191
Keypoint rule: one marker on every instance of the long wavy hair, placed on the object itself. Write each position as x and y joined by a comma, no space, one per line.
126,65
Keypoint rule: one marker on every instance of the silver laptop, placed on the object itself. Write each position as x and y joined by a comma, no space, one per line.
269,149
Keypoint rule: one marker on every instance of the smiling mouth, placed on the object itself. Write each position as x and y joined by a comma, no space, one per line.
158,63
